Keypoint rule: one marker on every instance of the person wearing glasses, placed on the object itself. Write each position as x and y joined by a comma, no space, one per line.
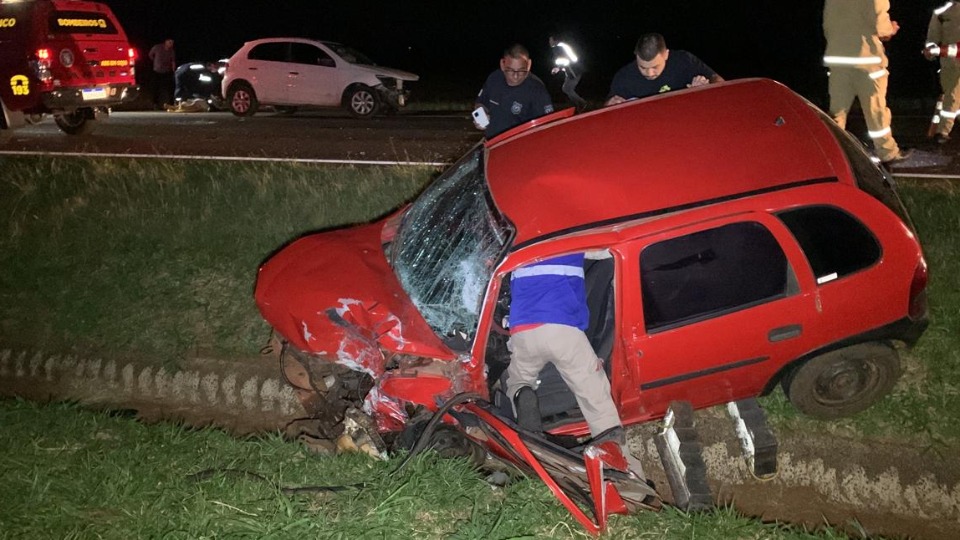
511,95
658,70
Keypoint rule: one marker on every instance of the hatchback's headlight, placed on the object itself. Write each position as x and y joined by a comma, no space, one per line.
390,82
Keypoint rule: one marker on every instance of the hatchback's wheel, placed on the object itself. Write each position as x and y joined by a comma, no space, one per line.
843,382
362,102
242,100
75,123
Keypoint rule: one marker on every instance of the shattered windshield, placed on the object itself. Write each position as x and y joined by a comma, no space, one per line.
448,244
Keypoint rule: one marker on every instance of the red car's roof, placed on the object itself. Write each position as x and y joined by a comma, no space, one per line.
659,153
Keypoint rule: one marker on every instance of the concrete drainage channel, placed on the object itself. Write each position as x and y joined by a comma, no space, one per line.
868,487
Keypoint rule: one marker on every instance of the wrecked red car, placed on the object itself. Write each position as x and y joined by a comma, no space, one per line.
736,239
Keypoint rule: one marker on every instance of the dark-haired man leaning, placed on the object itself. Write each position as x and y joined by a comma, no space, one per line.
657,70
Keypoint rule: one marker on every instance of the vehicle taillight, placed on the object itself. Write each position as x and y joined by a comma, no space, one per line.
43,65
132,55
918,291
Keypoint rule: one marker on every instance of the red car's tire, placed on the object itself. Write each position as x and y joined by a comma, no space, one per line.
843,382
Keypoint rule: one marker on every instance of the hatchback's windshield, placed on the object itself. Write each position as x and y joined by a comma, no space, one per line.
350,54
448,244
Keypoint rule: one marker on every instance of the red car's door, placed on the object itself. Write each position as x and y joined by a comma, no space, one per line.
712,311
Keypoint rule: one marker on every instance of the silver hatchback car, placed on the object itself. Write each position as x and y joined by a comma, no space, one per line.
289,73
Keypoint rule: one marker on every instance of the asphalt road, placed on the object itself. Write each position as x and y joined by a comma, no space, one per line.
311,135
332,135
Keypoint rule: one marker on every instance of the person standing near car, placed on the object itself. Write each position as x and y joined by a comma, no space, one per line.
512,95
163,60
565,60
656,70
943,32
857,63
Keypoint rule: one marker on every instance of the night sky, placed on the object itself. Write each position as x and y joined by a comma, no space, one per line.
454,44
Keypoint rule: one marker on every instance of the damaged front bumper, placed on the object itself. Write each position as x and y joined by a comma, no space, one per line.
392,92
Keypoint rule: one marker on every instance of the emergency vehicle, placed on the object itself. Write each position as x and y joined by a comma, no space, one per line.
67,58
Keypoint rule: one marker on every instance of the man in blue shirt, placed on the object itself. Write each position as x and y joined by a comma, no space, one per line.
548,318
658,70
512,95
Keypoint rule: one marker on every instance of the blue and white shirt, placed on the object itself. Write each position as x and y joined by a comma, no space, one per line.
549,292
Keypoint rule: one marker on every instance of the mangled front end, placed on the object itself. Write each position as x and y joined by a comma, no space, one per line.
347,333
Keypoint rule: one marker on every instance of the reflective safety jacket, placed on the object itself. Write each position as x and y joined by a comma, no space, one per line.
564,58
853,29
943,33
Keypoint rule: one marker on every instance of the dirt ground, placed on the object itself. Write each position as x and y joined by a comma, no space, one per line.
868,487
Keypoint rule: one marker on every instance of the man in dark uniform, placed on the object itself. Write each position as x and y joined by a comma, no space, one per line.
512,95
658,70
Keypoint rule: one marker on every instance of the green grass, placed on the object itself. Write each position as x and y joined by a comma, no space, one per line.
73,473
158,258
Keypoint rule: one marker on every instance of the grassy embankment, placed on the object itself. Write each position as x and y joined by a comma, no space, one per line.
157,259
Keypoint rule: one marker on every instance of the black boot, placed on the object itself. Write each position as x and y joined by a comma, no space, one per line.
528,410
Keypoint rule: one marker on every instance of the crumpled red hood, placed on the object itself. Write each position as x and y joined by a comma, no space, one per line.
334,294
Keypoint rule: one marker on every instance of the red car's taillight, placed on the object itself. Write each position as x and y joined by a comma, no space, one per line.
918,291
132,54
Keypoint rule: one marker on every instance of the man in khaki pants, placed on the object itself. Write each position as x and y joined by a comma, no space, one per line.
548,318
855,30
942,37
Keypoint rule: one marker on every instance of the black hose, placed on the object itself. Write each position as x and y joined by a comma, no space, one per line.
428,430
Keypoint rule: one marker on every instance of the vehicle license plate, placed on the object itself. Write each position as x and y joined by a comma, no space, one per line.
94,93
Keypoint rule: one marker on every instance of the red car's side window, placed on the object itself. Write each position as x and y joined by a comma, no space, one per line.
836,244
711,272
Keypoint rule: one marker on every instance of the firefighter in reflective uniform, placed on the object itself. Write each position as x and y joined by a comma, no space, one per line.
943,34
855,30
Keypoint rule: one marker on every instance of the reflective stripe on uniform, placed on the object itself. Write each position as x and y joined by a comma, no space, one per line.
568,51
851,60
880,133
941,9
878,74
548,270
949,114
